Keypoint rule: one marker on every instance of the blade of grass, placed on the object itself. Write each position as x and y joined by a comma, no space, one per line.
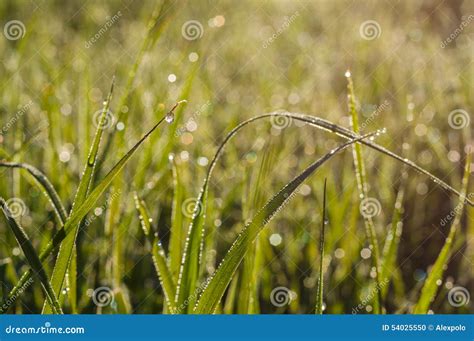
392,241
176,221
158,254
45,185
191,252
84,208
361,177
32,257
160,17
319,293
66,249
430,287
218,283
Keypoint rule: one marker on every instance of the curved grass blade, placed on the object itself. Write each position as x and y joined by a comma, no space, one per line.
32,257
361,177
214,291
46,187
67,246
319,293
191,253
158,254
82,210
430,288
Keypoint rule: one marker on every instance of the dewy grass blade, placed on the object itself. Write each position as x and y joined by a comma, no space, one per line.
158,254
157,23
32,257
66,249
430,287
191,252
361,177
82,210
176,232
319,293
218,283
392,241
46,187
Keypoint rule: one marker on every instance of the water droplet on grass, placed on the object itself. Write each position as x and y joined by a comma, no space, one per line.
169,117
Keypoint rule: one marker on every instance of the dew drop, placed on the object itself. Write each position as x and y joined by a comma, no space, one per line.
169,117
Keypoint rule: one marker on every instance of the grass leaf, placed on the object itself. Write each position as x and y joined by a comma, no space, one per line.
159,257
319,293
46,187
392,241
82,210
32,257
176,232
430,287
214,291
361,177
67,246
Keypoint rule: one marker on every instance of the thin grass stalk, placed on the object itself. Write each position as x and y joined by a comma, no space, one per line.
361,177
319,293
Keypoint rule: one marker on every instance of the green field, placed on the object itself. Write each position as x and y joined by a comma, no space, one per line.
180,157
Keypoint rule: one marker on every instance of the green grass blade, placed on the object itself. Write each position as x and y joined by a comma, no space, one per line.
191,253
319,293
158,254
392,240
32,257
176,232
46,187
66,249
361,177
85,207
214,291
430,287
157,23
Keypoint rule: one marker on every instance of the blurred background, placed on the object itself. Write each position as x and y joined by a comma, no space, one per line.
412,67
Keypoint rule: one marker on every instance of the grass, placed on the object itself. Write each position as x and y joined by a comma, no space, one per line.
187,218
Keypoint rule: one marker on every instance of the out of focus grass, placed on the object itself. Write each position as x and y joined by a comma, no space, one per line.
247,58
